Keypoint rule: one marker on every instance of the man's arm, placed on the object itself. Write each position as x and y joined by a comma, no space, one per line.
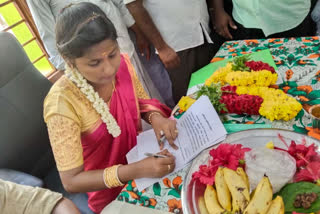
45,22
167,55
221,20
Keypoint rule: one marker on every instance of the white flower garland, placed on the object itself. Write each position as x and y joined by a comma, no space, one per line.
97,102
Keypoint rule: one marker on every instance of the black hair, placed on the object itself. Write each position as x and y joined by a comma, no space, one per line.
80,26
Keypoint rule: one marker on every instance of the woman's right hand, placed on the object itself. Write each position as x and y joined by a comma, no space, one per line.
157,167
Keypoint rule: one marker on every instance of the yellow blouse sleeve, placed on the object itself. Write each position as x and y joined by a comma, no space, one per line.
141,93
65,139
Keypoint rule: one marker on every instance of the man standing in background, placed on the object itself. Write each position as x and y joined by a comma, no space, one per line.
179,31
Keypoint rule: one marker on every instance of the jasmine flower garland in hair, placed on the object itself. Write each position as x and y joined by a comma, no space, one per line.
97,102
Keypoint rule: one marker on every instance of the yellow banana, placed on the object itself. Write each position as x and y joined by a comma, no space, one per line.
277,206
238,189
202,206
244,176
262,198
223,193
211,201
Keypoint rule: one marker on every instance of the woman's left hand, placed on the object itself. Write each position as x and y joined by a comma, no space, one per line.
164,126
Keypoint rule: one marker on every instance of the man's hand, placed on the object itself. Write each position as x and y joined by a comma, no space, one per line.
221,23
169,57
142,41
143,45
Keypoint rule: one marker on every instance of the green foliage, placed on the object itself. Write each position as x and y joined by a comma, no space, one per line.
157,189
239,63
290,191
214,93
174,193
299,129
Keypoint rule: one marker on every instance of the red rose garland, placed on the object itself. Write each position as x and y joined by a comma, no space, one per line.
240,104
259,66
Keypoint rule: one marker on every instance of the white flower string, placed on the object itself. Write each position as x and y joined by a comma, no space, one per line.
97,102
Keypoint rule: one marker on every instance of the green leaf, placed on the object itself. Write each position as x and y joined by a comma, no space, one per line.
237,115
174,193
180,187
291,84
157,189
314,102
124,195
248,117
145,201
299,129
314,81
290,191
297,93
300,115
129,187
231,122
314,94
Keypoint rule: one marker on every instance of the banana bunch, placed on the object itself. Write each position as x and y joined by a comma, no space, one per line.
231,195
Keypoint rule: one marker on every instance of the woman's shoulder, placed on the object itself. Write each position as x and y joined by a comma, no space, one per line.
62,89
63,98
62,85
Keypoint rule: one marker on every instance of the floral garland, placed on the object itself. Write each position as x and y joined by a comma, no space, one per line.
261,78
276,104
245,90
219,76
240,104
97,102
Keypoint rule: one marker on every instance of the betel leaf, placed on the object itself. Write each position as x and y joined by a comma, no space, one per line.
290,191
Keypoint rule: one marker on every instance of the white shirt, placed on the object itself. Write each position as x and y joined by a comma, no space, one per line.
45,12
181,23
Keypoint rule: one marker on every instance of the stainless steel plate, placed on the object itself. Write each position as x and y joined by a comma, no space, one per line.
250,138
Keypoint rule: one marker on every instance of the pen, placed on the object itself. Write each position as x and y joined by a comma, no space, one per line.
162,138
154,155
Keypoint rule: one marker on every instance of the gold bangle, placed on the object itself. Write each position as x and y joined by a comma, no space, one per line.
110,177
150,115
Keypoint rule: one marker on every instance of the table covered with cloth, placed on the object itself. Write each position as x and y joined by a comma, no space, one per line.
298,68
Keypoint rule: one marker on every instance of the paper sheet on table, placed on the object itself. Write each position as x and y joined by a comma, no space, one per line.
199,128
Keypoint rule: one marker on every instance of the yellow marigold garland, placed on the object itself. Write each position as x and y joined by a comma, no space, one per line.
276,104
255,78
219,75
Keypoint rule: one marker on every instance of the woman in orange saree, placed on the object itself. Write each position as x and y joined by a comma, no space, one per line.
94,112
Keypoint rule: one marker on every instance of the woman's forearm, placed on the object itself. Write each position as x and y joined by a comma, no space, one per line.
75,181
149,116
131,172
